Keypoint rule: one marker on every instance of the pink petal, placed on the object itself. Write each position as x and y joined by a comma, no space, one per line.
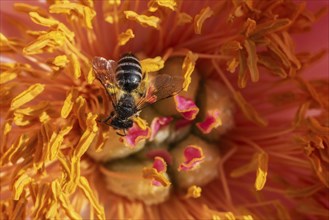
211,121
182,123
159,164
193,156
186,107
135,134
157,173
160,153
158,123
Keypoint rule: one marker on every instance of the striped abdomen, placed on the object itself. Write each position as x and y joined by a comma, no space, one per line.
128,72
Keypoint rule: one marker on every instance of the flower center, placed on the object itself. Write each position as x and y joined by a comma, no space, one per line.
183,142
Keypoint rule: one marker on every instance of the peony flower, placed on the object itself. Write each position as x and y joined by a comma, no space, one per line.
245,138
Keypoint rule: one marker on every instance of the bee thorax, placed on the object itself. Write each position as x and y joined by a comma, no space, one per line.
126,106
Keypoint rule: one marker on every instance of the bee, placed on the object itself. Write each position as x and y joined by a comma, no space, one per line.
129,91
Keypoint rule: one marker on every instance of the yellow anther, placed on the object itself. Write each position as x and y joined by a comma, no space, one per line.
44,117
50,41
144,20
153,5
124,37
48,22
199,19
152,64
184,18
114,2
26,96
84,12
75,66
7,76
68,104
20,184
188,68
60,61
262,159
194,192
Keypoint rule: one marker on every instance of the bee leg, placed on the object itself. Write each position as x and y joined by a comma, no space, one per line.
122,135
108,118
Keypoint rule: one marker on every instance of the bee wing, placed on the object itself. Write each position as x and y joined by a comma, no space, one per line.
104,72
160,87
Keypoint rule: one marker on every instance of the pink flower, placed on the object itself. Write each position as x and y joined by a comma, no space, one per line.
251,119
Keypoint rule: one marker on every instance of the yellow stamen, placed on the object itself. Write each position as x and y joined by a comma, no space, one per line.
230,216
114,2
75,66
188,68
270,27
80,111
46,42
22,181
90,76
84,186
223,215
7,128
193,192
140,122
124,37
152,64
109,19
7,76
252,60
300,115
44,117
60,61
41,193
184,18
56,141
19,120
153,5
231,46
144,20
22,7
33,110
26,96
262,160
87,137
232,65
287,47
249,26
14,151
8,45
68,103
84,13
88,3
242,77
3,39
64,201
152,173
200,18
52,211
55,188
50,22
247,217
